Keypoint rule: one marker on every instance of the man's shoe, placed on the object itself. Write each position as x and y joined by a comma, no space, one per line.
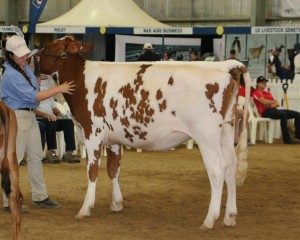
24,209
292,141
47,203
51,158
70,158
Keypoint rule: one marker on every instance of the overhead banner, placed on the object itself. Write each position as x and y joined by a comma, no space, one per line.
7,29
289,8
36,9
275,30
164,31
58,29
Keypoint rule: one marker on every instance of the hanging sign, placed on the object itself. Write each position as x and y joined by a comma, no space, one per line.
59,29
275,30
163,31
7,29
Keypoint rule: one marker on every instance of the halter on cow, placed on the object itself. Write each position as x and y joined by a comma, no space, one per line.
152,106
9,165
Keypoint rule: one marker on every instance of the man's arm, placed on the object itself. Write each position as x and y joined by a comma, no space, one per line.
268,103
49,117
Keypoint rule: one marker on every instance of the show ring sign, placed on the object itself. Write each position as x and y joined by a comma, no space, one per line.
275,30
162,31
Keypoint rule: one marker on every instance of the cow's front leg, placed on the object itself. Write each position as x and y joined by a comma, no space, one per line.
113,169
93,166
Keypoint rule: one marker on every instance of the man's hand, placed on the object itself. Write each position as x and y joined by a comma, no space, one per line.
51,117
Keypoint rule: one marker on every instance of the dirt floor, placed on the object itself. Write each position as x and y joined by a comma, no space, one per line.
166,196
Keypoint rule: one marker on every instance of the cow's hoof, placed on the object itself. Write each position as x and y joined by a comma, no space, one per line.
82,215
116,206
205,227
230,221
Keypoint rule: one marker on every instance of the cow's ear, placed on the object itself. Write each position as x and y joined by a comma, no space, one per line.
85,49
78,47
73,47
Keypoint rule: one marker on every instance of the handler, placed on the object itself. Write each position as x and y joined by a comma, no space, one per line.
20,91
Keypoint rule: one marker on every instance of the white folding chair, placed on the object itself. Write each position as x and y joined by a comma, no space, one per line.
60,140
266,125
254,120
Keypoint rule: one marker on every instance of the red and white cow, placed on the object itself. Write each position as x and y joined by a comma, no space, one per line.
151,106
9,165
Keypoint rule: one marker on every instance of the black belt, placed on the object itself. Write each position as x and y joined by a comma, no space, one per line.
27,109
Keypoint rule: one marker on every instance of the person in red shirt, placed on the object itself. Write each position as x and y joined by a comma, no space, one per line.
242,91
267,107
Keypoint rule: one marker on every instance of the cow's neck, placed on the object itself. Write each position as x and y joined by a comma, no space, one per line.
72,70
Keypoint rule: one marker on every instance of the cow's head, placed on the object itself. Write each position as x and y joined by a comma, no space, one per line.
55,52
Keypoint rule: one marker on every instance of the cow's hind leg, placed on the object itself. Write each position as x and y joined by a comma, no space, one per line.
93,166
113,169
227,144
215,166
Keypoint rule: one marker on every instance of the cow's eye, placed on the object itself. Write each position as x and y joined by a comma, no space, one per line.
47,50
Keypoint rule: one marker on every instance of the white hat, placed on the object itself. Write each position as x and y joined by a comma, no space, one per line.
17,45
148,46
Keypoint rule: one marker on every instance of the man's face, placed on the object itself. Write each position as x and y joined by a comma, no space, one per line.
262,84
194,57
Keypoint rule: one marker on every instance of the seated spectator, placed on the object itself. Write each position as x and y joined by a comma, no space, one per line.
167,56
51,120
194,56
267,107
148,55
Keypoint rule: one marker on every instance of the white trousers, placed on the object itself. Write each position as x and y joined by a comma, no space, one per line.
29,142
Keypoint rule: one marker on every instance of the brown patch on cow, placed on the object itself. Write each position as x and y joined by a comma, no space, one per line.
113,162
243,70
159,94
140,110
124,121
212,89
98,130
113,104
128,135
235,74
163,105
94,166
139,80
171,81
128,93
227,95
173,113
79,106
138,131
99,108
93,171
143,111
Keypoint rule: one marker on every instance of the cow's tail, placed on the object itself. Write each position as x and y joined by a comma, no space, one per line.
242,147
5,180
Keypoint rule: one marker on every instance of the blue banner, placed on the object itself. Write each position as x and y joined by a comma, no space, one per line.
36,9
